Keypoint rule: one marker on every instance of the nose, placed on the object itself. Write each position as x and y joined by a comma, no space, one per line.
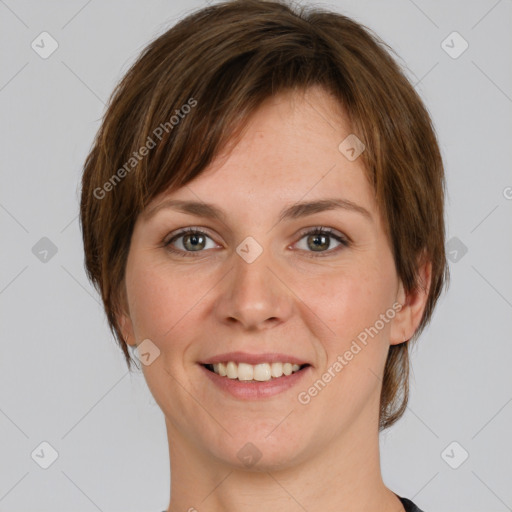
254,294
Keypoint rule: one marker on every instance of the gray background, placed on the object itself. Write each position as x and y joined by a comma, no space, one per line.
62,378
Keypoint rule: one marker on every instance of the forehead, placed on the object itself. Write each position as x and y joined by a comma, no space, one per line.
288,152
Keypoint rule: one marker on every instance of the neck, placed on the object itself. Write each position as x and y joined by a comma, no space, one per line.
344,476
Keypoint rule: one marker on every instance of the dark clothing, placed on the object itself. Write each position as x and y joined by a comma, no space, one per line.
408,505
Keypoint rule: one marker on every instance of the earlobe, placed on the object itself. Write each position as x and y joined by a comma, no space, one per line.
123,319
413,303
126,328
398,333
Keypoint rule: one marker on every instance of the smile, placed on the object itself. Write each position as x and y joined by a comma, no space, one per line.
241,380
256,373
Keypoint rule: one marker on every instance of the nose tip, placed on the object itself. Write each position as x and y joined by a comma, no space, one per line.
253,296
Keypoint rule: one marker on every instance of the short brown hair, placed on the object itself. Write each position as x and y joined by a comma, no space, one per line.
223,61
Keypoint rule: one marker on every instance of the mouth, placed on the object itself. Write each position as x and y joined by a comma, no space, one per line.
247,376
262,372
260,381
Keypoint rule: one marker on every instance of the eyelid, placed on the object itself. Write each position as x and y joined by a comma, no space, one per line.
185,231
324,229
342,239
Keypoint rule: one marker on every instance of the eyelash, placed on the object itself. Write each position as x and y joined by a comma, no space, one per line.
319,230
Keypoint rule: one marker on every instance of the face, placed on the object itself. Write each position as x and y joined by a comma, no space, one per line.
304,286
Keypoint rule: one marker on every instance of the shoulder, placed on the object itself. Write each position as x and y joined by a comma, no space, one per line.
409,505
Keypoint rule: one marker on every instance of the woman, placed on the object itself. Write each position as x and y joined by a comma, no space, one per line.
262,212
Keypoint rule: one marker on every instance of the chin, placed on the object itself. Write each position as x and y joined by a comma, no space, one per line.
260,452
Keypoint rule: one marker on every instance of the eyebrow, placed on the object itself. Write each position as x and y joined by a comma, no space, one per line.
294,211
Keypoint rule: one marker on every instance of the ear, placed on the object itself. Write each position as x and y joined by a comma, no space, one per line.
124,320
406,321
125,325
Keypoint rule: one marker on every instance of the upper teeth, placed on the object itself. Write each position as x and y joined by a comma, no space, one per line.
260,372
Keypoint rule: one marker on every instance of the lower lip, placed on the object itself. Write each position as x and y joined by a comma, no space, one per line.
256,390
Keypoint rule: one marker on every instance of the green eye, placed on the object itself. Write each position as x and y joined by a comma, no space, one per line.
318,242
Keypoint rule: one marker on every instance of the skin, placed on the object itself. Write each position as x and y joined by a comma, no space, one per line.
292,299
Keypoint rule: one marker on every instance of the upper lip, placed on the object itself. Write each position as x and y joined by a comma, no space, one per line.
244,357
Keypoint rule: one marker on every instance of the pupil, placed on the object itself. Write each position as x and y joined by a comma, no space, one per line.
317,244
194,239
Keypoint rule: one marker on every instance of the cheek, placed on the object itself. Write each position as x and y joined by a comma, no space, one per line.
351,299
356,342
159,299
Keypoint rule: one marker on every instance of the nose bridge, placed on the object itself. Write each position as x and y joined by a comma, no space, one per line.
253,295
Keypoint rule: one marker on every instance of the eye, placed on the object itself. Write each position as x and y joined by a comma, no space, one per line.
188,240
319,240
